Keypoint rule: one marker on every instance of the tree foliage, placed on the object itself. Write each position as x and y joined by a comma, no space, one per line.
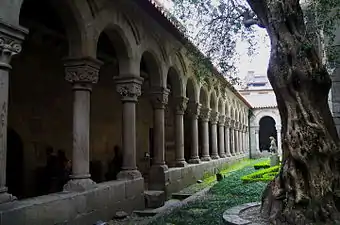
215,26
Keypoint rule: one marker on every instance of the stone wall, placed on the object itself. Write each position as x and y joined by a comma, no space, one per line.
180,178
83,208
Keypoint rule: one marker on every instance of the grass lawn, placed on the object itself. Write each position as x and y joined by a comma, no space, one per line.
223,195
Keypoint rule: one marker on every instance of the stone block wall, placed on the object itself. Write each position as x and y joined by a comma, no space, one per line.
76,208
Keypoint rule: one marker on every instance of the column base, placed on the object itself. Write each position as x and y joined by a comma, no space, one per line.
79,185
205,158
7,197
214,157
181,163
195,161
228,155
129,175
223,156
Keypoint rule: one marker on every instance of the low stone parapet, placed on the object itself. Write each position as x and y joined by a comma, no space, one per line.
182,177
73,208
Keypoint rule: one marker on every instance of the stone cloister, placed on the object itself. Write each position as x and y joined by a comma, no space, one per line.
85,76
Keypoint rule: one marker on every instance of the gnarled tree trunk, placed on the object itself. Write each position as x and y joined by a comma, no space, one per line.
303,192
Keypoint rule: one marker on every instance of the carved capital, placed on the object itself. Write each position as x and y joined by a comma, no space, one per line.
227,122
205,114
237,125
159,97
82,70
130,88
10,43
221,120
194,109
232,123
214,117
181,104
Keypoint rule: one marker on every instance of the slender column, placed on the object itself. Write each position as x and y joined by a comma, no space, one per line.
279,143
130,89
159,99
236,138
232,138
257,139
181,105
10,44
227,137
221,135
214,142
194,112
242,139
247,139
81,73
205,115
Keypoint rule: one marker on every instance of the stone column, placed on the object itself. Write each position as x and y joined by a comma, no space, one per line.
81,73
205,115
227,137
221,136
159,99
214,141
257,139
129,87
236,140
10,44
279,143
181,105
232,138
194,112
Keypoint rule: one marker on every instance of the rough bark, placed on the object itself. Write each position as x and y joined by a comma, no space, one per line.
303,192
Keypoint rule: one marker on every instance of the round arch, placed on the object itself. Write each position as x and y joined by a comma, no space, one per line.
213,101
267,128
174,82
191,90
204,97
150,70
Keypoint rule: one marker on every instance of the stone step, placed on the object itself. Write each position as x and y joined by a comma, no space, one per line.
152,212
154,199
180,196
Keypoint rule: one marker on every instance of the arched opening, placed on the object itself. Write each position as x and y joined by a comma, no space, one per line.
267,129
106,150
191,95
149,70
174,85
40,105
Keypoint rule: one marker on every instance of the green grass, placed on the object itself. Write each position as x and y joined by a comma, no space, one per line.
262,165
223,195
210,179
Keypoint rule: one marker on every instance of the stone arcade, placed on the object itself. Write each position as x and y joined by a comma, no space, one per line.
126,61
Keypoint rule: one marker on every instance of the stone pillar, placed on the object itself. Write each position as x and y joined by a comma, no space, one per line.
236,140
194,112
159,99
221,136
129,87
257,139
181,105
205,115
10,44
279,141
335,92
227,137
232,138
81,73
214,142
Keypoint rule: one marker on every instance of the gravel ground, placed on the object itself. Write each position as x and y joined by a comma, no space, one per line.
253,214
